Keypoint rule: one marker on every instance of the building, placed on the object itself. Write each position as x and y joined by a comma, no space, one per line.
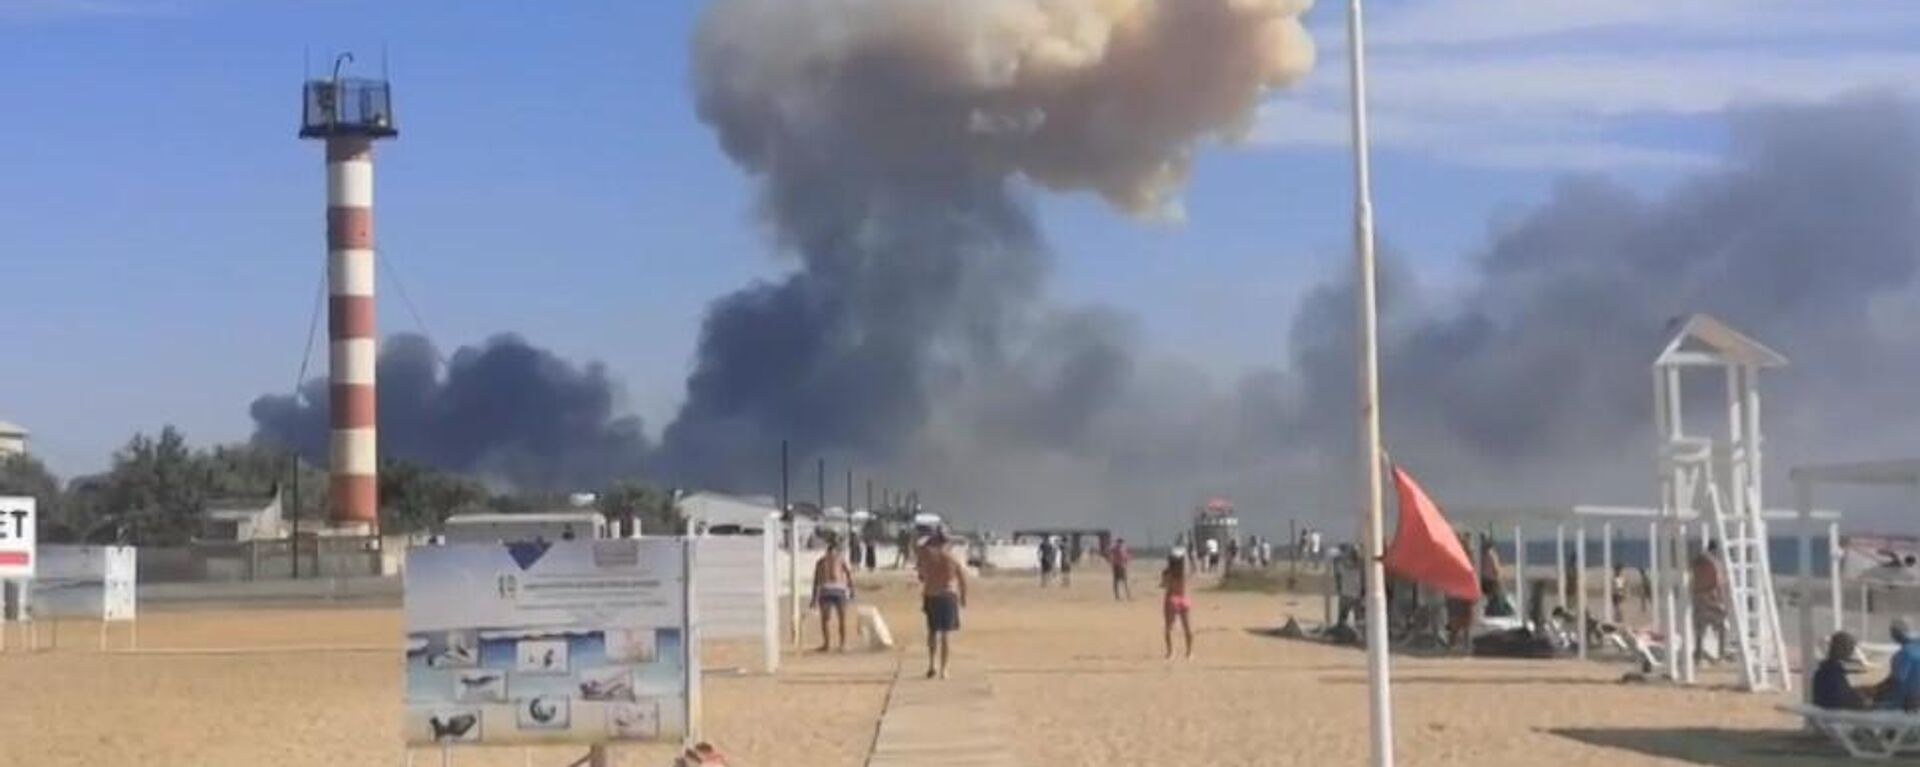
718,513
234,520
13,439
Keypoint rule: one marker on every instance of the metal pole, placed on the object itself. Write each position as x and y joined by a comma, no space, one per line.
848,537
1580,586
1560,564
1380,699
1654,588
793,550
293,457
1520,573
1833,575
1803,502
1683,595
1606,574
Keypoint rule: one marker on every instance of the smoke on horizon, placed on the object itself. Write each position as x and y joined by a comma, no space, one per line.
891,141
895,146
507,411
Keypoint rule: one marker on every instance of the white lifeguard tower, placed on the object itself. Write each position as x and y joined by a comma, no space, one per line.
1717,480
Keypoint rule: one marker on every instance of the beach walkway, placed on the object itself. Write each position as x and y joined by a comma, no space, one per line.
951,723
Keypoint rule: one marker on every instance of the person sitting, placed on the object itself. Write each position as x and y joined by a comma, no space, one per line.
1901,688
1830,686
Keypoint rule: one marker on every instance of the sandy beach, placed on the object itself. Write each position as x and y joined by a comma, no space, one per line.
1080,677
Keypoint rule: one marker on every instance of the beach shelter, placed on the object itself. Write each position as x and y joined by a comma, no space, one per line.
1425,549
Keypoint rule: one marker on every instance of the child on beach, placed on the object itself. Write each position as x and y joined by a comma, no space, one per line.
1174,581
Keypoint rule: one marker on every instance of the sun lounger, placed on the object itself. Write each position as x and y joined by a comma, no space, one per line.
1875,734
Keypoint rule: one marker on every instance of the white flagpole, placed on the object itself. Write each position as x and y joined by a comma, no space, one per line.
1379,696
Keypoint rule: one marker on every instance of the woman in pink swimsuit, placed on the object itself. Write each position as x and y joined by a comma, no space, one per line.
1176,605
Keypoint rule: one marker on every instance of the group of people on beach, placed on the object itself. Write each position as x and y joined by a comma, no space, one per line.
1900,690
943,582
943,593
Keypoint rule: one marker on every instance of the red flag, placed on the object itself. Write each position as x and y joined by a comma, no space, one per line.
1425,549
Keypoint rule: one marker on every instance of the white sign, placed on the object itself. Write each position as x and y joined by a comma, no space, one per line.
583,641
16,537
85,582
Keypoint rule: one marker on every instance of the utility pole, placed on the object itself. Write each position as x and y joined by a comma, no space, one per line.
793,549
293,459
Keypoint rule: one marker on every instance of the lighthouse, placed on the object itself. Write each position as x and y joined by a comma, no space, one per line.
349,114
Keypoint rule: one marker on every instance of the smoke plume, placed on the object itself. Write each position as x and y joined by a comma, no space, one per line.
507,411
890,140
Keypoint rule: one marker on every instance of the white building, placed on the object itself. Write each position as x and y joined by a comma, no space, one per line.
730,514
243,519
13,439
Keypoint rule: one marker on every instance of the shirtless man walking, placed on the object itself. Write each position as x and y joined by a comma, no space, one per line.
943,591
832,590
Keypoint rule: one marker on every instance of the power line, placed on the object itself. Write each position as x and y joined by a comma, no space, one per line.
393,274
313,328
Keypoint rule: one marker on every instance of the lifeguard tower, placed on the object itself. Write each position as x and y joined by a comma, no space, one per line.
1717,480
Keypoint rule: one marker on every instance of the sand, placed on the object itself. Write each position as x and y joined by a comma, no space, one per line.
1080,676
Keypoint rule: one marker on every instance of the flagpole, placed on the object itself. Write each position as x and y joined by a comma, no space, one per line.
1379,696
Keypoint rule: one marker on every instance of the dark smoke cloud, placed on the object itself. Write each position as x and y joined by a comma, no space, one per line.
1535,384
889,139
506,410
1531,385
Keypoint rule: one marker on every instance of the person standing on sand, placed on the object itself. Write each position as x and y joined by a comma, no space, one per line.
1176,603
1068,553
832,590
1047,552
1120,557
1709,602
943,591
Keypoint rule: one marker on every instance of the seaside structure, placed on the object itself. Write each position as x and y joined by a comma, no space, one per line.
1720,479
349,115
13,439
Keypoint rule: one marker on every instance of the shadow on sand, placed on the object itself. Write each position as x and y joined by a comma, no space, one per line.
1715,747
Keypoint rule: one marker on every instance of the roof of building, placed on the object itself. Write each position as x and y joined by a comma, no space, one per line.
1704,339
12,429
239,507
515,517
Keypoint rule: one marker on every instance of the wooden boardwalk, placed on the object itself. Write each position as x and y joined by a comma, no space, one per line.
935,723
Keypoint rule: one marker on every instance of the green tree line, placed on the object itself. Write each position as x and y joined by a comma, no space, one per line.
159,488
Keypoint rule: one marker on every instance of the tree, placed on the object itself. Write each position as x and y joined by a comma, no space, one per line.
632,499
22,474
156,490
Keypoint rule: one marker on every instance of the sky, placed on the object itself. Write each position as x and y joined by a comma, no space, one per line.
161,228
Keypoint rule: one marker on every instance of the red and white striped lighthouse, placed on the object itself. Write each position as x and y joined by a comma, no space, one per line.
350,114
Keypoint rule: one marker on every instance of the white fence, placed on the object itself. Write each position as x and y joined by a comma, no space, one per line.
1008,556
735,593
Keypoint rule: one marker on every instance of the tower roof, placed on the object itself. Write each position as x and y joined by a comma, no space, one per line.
1702,339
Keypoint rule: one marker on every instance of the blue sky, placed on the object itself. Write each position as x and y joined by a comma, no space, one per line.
161,227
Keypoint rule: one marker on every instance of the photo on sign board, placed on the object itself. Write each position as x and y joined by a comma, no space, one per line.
544,712
632,645
541,656
480,686
609,683
453,725
446,649
637,720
